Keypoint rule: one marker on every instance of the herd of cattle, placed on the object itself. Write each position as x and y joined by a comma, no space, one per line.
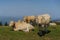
26,24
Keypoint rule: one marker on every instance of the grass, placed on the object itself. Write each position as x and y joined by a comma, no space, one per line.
7,34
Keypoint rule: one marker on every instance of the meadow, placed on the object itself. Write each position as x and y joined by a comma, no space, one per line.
7,34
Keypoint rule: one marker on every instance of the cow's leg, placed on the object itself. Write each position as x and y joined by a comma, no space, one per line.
46,30
43,25
46,26
15,29
26,30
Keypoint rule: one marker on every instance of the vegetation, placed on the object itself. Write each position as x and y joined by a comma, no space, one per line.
58,23
6,24
0,23
7,34
55,21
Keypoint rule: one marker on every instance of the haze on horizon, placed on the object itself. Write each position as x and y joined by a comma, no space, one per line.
30,7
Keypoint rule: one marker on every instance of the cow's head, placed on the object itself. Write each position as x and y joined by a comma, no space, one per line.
12,24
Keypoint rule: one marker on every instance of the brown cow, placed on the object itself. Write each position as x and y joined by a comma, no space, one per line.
28,19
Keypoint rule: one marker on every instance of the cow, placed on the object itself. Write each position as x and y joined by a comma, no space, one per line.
43,20
11,23
23,26
52,24
29,18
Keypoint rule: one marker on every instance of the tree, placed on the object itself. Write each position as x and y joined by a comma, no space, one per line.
6,24
0,23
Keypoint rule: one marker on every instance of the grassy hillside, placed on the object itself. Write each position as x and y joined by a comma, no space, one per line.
7,34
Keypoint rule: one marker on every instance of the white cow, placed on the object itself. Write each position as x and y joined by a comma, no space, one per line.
52,24
43,20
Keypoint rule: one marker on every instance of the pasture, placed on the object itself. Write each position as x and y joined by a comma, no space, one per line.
7,34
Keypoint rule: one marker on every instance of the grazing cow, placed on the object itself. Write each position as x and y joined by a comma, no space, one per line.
43,20
26,27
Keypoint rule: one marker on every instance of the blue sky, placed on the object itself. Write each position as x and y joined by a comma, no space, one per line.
30,7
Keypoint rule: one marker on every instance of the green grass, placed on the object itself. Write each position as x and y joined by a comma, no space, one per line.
7,34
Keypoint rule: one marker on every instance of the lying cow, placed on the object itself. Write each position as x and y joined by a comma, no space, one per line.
52,24
26,27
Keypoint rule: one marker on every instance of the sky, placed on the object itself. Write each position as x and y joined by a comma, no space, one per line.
17,8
